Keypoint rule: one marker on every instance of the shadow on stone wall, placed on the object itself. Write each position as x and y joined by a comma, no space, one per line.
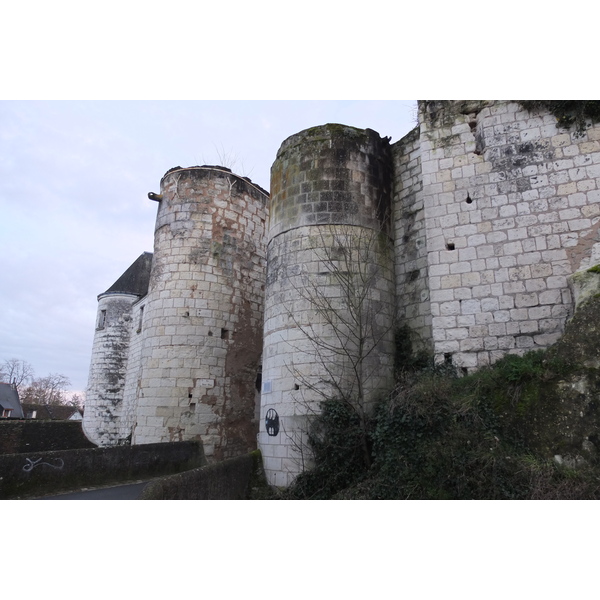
41,436
35,474
240,478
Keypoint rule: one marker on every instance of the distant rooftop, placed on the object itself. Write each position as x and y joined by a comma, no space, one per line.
9,401
54,412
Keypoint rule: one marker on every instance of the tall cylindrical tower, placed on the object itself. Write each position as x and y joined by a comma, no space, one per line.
329,301
103,421
202,319
104,393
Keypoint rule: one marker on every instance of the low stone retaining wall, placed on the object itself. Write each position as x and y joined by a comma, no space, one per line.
37,474
240,478
30,435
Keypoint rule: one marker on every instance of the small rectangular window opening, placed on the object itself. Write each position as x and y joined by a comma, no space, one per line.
224,334
139,329
102,319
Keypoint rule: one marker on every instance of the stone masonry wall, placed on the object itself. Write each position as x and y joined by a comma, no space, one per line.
136,341
488,207
330,277
203,314
413,308
512,206
110,351
39,473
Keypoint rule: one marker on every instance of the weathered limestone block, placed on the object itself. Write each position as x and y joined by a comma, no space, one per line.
517,197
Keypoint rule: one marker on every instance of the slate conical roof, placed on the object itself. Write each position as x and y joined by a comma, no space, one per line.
135,279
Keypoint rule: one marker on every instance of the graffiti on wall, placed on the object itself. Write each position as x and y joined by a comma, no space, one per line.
272,422
31,464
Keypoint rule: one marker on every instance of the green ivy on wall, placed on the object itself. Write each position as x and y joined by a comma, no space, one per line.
568,112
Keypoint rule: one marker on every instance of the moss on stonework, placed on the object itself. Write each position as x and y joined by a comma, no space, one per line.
586,284
352,136
337,129
567,112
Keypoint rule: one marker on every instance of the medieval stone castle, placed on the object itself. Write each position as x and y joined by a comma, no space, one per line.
254,307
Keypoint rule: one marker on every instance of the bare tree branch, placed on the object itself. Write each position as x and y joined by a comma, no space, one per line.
47,390
344,337
16,371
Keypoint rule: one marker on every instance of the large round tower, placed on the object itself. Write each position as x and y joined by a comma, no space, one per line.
329,300
202,319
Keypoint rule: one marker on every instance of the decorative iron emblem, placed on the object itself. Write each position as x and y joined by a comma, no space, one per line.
272,422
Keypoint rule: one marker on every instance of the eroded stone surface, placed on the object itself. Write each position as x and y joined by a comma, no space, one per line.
484,212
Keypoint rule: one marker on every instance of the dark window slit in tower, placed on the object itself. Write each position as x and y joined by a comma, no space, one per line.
141,320
469,200
224,334
258,382
447,358
450,246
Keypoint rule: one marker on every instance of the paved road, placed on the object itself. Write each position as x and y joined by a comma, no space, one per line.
130,491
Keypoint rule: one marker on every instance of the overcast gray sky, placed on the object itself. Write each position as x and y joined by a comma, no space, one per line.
74,178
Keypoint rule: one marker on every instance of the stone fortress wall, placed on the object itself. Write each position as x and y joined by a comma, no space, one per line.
507,207
482,212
